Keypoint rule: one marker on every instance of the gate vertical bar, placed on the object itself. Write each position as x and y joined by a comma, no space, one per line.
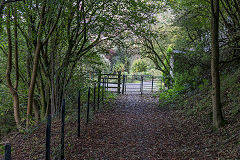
107,81
88,105
79,112
161,84
152,83
119,82
62,130
123,84
103,85
7,155
48,137
99,85
126,79
141,86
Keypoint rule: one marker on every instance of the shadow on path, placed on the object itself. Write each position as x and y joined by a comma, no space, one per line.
134,128
137,129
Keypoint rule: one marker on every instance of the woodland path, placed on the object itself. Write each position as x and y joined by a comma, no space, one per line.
137,129
132,127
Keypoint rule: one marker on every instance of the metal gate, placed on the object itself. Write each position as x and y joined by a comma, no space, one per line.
112,82
132,84
141,84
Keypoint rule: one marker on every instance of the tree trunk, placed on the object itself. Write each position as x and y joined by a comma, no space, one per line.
36,111
33,82
35,65
13,90
216,99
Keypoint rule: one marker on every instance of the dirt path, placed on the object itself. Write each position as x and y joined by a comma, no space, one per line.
137,129
128,132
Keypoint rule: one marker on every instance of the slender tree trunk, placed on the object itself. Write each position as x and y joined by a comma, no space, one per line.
36,111
216,98
33,82
35,65
43,92
13,90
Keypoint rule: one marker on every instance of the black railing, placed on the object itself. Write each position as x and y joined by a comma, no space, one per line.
104,82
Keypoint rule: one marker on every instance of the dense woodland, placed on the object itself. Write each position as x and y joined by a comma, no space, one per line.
51,49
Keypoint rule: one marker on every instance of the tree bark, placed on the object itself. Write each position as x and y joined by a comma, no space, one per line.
33,82
13,90
35,65
216,98
36,111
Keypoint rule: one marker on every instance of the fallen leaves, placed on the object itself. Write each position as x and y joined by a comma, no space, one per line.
135,129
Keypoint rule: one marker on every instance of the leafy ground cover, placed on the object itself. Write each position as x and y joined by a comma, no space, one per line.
133,127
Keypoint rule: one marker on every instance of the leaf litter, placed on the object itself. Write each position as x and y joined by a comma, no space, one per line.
134,128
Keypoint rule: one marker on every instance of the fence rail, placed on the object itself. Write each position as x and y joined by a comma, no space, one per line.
127,84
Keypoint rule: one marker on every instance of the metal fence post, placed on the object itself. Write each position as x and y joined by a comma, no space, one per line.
62,130
119,82
126,79
141,86
99,85
123,84
103,85
107,81
7,155
48,137
152,83
79,112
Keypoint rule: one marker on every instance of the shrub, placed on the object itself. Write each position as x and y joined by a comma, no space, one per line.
139,65
118,67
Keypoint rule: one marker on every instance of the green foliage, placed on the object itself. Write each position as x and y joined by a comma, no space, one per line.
139,65
1,149
169,50
154,72
170,95
118,67
167,79
183,83
204,84
73,51
230,86
191,79
7,122
119,59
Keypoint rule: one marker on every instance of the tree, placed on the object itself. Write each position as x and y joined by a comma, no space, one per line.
54,38
139,65
13,89
216,99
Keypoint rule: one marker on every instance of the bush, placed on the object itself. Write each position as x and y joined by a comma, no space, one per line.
119,67
170,95
139,65
182,83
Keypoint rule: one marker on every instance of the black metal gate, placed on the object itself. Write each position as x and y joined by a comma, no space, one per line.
141,84
132,84
112,82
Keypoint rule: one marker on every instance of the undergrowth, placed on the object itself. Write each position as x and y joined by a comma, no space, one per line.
198,100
